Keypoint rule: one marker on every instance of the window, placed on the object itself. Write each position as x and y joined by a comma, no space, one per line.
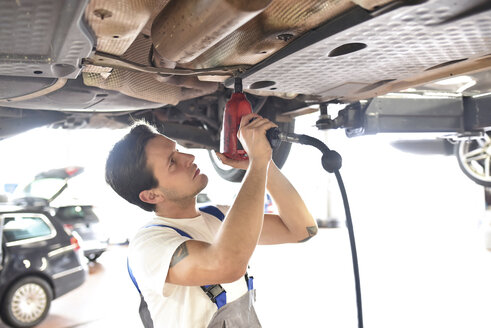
20,228
76,214
44,188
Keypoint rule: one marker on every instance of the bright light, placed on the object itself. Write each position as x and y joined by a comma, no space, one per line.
463,82
464,79
27,263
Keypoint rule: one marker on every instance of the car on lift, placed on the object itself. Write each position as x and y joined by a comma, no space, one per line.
395,66
39,262
47,188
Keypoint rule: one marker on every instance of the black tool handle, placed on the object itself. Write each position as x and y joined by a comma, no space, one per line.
273,137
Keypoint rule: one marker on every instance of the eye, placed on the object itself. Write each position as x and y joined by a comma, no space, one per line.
172,161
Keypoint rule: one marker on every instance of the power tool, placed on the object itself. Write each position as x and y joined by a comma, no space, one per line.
236,107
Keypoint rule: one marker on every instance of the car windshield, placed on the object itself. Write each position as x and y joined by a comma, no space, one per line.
44,188
77,213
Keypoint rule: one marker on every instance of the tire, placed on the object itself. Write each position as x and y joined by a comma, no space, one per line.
27,302
280,155
474,157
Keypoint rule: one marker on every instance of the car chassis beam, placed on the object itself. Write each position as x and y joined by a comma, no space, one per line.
418,114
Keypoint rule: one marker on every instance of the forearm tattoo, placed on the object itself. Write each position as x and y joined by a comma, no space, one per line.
312,231
180,253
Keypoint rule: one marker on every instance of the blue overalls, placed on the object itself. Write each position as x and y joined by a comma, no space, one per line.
239,313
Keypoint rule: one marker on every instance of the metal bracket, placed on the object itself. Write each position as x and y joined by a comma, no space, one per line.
350,117
107,60
463,116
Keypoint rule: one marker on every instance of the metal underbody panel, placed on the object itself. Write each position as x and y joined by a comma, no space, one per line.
115,58
323,49
117,27
43,38
394,48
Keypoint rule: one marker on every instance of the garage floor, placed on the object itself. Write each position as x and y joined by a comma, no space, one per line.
105,300
444,288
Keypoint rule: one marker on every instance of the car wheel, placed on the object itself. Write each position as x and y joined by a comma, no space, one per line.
27,302
280,154
474,157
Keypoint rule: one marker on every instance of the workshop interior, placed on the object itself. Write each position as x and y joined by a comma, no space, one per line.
365,66
396,66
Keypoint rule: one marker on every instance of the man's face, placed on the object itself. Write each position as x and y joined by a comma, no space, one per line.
179,178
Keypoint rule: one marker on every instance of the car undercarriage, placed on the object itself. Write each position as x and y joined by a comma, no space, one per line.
397,66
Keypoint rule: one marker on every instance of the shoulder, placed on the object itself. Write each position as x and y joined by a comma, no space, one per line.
149,255
156,233
149,238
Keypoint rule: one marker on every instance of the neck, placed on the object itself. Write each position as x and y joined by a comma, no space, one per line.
178,209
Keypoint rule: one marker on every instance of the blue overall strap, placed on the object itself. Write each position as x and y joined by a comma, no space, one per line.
219,215
216,293
212,210
179,231
249,281
132,276
130,272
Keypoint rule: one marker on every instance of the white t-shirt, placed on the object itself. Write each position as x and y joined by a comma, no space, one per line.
150,253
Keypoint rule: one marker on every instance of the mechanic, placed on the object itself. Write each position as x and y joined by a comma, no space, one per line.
184,248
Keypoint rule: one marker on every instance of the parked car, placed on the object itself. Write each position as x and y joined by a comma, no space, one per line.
40,261
47,187
85,222
395,66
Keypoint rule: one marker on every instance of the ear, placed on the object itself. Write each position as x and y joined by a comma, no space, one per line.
151,196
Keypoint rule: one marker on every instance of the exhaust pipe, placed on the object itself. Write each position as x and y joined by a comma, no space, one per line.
187,28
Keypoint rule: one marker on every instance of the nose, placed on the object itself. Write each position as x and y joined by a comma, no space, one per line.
188,159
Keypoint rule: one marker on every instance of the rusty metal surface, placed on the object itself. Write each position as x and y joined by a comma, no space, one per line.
145,85
117,23
274,28
123,29
187,28
96,69
102,59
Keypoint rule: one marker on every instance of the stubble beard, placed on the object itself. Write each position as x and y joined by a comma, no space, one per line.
185,199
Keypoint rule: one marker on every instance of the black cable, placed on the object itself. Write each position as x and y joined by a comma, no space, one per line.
331,161
308,140
354,255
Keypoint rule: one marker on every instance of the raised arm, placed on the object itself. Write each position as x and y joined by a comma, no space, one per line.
294,222
226,258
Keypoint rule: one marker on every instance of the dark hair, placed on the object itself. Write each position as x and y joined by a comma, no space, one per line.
126,166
